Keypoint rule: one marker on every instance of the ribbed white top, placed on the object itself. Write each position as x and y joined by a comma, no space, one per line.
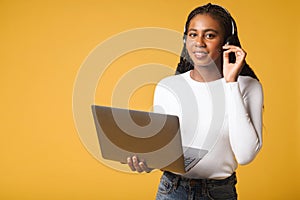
224,118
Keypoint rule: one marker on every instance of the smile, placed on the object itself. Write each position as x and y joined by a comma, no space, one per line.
200,54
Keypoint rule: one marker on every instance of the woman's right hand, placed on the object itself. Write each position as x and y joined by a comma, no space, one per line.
136,165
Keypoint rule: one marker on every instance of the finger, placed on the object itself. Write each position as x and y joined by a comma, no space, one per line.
237,50
230,46
130,164
232,49
226,57
136,164
144,167
239,54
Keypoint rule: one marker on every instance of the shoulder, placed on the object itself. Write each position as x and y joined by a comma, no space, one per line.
175,85
173,81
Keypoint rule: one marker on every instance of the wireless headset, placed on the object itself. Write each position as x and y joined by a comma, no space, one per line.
232,39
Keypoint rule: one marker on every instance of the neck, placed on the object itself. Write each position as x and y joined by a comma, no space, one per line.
207,73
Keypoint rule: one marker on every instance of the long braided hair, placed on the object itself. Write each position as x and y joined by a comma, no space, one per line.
230,29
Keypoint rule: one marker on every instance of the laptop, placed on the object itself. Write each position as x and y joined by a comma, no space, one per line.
153,137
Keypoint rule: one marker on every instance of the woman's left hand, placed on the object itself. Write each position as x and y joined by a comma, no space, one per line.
231,70
136,165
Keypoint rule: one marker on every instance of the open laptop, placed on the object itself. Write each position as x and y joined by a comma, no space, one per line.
154,138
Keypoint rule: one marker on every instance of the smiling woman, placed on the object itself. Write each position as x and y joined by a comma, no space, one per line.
43,45
219,89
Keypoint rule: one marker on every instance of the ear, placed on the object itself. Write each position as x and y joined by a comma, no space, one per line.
184,38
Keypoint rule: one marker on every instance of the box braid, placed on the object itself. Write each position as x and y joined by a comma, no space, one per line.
229,26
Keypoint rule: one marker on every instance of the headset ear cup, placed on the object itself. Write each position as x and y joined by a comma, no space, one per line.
231,40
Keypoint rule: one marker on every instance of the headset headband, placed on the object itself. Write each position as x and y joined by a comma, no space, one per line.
232,23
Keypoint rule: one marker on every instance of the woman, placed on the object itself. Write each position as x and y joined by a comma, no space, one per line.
211,57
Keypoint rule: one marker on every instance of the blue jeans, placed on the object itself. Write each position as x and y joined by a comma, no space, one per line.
174,187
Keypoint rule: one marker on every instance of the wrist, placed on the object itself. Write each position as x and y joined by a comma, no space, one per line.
229,80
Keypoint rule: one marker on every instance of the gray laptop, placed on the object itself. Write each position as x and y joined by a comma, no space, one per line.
154,138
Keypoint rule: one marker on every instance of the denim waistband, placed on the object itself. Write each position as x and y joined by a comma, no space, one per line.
178,178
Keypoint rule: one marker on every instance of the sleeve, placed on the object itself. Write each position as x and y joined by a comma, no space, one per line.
245,119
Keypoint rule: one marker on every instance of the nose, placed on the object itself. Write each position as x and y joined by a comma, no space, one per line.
200,42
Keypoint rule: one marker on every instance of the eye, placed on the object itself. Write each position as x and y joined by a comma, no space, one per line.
210,35
192,35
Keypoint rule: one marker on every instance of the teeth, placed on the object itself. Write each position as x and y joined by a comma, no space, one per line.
200,54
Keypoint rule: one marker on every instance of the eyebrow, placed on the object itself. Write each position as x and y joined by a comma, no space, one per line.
205,30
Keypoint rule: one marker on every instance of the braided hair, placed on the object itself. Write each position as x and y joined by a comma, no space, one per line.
230,29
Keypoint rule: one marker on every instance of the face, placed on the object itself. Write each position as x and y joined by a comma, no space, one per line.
204,40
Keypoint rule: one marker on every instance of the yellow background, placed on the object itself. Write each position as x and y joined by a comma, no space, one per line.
44,43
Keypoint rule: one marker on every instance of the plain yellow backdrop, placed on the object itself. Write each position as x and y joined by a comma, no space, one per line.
44,43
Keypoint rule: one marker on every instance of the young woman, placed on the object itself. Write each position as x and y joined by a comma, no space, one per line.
213,67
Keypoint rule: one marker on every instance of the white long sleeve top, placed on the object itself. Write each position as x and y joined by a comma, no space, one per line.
223,118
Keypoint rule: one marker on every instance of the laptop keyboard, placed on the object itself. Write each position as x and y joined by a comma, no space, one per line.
188,160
